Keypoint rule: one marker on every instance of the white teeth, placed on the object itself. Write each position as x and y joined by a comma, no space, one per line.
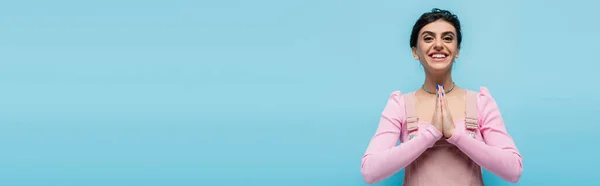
438,56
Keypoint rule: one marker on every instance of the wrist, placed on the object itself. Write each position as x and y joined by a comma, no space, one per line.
448,133
437,134
454,137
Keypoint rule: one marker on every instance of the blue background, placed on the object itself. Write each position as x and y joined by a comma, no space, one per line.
274,92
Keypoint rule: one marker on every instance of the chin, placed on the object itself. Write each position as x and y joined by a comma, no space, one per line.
439,66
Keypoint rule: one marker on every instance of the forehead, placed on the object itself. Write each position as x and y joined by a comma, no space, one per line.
438,27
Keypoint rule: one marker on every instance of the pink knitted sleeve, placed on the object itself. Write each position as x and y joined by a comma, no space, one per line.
383,156
497,153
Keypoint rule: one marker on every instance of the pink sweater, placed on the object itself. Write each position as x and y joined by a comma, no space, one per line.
429,159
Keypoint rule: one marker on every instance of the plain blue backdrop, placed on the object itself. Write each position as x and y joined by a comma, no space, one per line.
274,92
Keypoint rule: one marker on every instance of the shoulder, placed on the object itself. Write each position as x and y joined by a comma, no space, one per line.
397,95
486,104
396,98
396,104
400,97
484,96
482,91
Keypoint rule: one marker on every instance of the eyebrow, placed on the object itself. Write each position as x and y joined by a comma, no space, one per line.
431,33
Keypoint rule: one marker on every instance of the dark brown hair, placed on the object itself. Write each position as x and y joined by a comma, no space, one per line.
434,15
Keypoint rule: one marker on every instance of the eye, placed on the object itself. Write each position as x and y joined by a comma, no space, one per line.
448,38
428,38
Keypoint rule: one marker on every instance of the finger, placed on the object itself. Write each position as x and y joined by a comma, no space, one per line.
440,100
437,104
437,94
445,101
445,106
442,90
439,97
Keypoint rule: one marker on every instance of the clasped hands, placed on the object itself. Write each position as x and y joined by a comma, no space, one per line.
442,119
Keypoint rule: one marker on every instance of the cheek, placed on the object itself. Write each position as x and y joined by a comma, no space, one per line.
422,51
452,48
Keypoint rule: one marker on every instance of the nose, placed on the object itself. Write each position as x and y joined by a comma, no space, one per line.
438,45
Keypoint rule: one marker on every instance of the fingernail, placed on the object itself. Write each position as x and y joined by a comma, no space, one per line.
437,87
442,86
443,93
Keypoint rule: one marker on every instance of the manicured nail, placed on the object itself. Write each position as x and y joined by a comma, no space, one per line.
437,87
443,93
442,86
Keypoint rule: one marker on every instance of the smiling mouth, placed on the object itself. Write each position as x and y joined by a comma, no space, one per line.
438,57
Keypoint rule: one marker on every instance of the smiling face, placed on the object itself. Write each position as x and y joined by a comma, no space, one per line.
437,46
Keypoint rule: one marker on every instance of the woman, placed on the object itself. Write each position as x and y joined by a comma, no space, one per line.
447,133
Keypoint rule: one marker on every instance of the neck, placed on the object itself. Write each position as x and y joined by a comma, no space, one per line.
431,81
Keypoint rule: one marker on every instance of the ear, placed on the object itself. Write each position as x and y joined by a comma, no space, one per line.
457,53
414,52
